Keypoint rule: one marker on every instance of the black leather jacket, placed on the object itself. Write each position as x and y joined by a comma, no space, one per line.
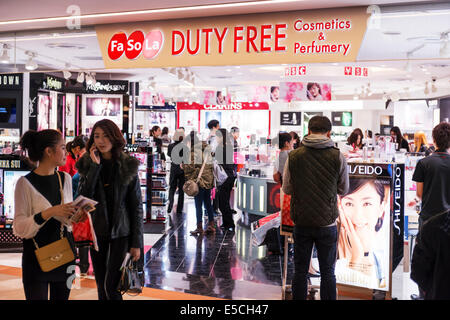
127,218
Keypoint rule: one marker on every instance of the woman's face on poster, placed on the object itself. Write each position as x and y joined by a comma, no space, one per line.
275,94
363,208
314,90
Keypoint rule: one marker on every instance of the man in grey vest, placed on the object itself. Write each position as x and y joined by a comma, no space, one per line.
314,174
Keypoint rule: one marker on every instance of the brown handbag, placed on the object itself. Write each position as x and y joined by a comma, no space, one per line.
190,187
57,253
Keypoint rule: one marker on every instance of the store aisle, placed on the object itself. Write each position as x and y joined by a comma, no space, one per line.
224,265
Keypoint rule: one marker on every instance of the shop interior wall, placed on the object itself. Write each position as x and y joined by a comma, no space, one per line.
444,105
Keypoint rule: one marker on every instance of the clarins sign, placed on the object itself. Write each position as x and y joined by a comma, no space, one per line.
330,35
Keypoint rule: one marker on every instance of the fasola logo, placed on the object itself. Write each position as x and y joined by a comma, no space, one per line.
135,44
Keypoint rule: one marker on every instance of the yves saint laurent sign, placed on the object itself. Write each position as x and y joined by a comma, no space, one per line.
52,83
108,87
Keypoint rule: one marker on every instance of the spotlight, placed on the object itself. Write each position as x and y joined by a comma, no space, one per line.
31,64
4,58
67,74
89,79
80,77
433,86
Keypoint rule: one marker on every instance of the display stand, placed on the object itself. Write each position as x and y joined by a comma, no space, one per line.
393,176
12,167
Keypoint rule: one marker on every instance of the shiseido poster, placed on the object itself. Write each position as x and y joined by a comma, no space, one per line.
364,228
43,112
302,91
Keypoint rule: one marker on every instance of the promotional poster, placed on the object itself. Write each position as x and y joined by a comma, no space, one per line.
306,117
70,114
364,224
342,118
290,118
98,107
43,110
151,98
300,91
9,185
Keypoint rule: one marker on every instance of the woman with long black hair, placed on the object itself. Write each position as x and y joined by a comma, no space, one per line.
43,208
110,177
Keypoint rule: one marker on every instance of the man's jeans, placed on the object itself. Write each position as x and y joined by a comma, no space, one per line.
325,239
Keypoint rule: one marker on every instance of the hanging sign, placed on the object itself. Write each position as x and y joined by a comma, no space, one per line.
327,35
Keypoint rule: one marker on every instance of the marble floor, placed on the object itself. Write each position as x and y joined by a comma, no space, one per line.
227,265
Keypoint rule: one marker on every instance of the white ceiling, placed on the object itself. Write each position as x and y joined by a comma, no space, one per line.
383,50
28,9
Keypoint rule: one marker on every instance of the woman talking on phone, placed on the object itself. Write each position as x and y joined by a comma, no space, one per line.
43,208
110,177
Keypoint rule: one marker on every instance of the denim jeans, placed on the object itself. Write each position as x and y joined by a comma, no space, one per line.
203,198
325,240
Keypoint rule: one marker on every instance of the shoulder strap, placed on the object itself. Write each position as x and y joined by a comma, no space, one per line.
60,188
201,170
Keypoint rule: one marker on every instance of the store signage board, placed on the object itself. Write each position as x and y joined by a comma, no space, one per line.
356,71
313,36
104,86
10,164
231,106
52,83
11,81
295,71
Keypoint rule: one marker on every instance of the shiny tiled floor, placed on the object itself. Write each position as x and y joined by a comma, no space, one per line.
224,265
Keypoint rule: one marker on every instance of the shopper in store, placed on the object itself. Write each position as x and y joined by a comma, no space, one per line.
421,144
235,133
176,179
431,258
286,144
355,140
165,135
110,177
156,132
432,176
397,138
296,138
213,126
314,174
361,249
75,148
198,152
225,158
43,208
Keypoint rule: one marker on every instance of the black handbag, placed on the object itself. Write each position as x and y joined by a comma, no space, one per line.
131,280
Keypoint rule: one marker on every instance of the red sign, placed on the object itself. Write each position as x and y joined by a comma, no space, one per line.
295,71
230,106
135,44
359,71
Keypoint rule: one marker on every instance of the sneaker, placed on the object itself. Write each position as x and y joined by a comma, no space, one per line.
416,297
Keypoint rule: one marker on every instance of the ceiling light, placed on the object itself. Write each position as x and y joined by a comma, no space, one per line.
80,77
355,95
66,74
427,90
31,64
180,74
4,58
444,51
433,86
89,79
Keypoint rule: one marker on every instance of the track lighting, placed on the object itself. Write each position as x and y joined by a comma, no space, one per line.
433,86
4,58
80,77
89,79
31,64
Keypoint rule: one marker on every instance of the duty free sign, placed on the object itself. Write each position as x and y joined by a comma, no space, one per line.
331,35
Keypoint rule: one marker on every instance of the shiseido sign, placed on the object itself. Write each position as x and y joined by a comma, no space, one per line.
365,170
120,87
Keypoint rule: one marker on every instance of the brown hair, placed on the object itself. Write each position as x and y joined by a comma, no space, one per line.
441,136
114,136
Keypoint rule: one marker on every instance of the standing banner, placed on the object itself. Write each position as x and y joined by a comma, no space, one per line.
312,36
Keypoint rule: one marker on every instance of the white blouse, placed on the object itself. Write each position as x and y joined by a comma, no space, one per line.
29,202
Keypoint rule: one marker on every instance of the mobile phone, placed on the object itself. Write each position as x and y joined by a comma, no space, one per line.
96,153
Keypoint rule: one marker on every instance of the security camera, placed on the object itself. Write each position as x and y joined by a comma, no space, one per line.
433,79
